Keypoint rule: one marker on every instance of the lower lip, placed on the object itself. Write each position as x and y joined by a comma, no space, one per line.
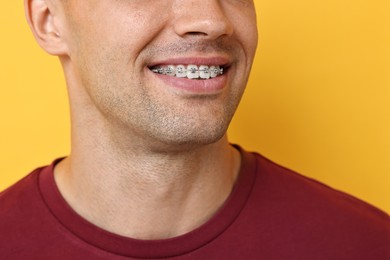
210,86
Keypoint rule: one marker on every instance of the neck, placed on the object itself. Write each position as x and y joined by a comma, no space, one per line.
146,194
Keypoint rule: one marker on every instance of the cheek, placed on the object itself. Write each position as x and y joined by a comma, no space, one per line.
122,27
249,37
245,25
131,30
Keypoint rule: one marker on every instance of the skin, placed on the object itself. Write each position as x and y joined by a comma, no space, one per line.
148,160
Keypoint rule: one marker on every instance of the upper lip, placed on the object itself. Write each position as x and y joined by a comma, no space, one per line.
213,60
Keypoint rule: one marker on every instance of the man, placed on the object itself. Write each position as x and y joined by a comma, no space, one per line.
153,86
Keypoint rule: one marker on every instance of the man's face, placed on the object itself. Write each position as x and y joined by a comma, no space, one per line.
119,48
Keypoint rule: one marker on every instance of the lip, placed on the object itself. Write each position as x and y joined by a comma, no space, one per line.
221,61
199,87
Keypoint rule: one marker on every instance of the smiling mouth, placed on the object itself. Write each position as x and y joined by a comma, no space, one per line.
202,72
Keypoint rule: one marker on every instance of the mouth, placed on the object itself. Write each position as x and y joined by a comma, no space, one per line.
191,71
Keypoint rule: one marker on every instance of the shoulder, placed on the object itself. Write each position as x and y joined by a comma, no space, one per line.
26,222
311,213
21,205
309,193
15,196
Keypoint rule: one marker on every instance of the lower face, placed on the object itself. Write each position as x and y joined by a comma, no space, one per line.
155,85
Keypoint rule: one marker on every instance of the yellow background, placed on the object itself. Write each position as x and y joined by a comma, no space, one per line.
318,100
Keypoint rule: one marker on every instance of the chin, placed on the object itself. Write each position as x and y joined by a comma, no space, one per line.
191,139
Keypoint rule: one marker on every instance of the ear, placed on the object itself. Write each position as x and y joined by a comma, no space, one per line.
43,24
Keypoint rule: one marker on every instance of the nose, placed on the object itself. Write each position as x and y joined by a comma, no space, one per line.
206,18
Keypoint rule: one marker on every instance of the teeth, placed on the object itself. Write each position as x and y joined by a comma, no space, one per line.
181,71
191,71
170,70
215,71
204,72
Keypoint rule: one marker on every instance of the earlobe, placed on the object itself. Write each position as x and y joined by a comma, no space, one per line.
42,22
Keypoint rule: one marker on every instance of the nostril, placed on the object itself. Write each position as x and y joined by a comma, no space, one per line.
196,33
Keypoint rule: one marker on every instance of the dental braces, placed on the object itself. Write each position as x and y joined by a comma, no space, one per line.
192,71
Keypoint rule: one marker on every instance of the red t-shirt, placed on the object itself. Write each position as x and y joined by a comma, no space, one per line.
272,213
